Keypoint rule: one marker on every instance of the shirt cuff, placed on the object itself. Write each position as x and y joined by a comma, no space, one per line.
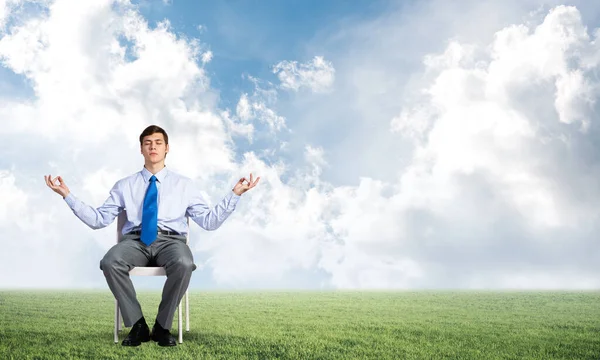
71,200
232,200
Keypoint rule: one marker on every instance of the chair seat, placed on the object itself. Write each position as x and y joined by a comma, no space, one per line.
148,271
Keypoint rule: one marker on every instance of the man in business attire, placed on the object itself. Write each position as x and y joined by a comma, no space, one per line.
157,201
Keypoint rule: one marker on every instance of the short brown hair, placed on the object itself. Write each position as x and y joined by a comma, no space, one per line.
153,129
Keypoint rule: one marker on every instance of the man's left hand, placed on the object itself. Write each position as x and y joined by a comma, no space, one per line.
244,185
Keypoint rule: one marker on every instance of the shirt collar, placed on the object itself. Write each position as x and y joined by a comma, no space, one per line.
160,176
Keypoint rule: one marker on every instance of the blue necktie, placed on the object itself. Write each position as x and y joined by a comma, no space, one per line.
150,213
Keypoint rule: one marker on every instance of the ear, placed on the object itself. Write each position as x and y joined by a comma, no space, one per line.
167,148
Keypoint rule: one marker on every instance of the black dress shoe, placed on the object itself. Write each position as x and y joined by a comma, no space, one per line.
162,336
139,333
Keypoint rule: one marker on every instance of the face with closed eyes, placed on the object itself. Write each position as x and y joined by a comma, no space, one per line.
154,149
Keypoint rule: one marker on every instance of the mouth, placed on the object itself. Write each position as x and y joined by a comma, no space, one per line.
153,153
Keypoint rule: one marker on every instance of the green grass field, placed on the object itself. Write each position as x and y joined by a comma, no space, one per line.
313,325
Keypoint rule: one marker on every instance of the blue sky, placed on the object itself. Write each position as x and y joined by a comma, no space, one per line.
428,144
248,37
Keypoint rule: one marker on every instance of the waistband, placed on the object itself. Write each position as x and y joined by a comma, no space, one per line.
159,231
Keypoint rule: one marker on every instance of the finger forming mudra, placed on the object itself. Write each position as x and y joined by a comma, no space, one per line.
244,184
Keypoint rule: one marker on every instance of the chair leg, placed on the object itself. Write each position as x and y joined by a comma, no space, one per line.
179,323
117,316
187,312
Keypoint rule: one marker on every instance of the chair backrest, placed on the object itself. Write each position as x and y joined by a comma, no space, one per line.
123,217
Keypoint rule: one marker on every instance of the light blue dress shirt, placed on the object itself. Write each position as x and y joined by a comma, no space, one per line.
178,198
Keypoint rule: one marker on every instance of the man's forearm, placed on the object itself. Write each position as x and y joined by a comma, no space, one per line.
212,219
94,218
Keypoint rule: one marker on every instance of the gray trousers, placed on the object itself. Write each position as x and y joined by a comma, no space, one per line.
169,251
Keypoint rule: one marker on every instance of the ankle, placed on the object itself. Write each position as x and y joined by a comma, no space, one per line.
158,326
142,321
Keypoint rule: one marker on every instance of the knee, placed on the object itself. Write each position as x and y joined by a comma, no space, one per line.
109,263
183,264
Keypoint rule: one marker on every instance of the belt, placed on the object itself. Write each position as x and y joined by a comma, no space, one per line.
159,231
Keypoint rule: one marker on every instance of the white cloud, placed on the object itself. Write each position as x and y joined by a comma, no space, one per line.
78,85
484,154
14,200
6,7
99,75
282,232
315,155
40,252
256,108
237,126
267,115
479,124
207,57
317,75
500,180
243,108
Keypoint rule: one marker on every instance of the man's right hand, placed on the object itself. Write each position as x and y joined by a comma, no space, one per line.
60,188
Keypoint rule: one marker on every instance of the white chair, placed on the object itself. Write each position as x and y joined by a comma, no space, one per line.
150,271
